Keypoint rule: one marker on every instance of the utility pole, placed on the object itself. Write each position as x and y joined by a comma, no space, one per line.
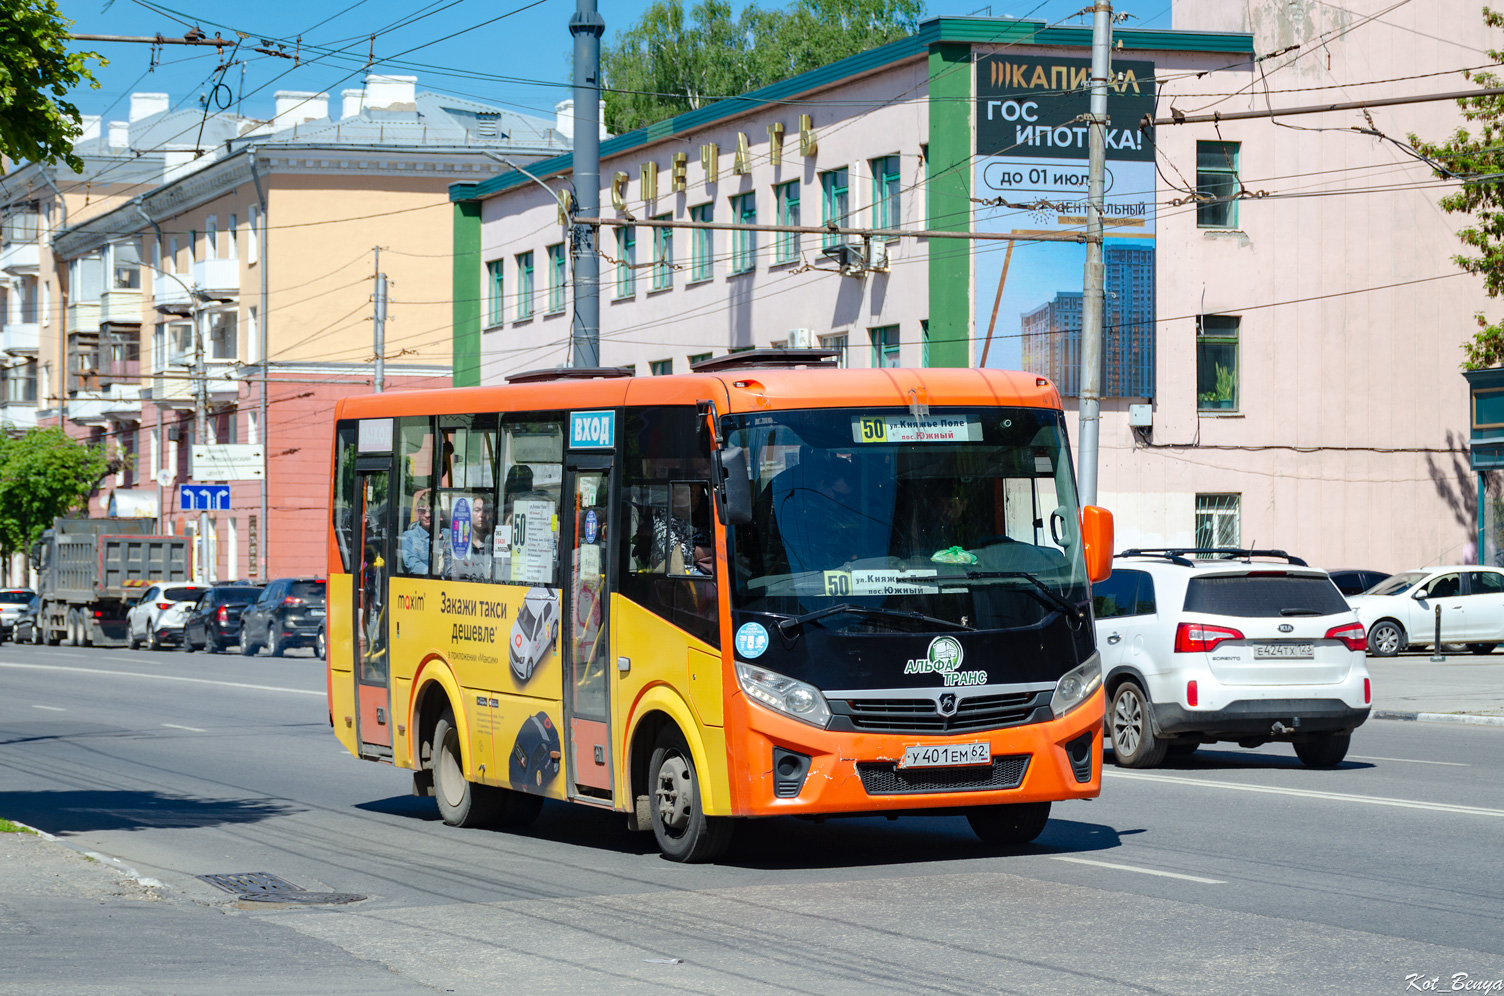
586,26
200,429
380,324
1093,299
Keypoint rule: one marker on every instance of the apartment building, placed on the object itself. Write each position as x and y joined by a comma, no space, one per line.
251,309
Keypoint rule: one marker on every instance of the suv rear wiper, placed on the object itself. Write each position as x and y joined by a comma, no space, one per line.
1050,595
1302,612
794,625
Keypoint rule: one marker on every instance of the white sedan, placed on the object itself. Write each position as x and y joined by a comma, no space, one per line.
1401,611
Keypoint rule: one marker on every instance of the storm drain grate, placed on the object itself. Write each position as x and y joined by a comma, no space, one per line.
264,887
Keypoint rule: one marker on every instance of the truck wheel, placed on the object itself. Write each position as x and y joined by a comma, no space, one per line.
75,628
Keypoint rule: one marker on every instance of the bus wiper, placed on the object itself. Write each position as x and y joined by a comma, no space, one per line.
1042,591
794,625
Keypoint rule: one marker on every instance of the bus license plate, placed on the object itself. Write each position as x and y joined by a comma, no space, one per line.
1284,651
945,755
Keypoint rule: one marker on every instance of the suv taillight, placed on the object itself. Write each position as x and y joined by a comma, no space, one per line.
292,600
164,606
223,615
1352,634
1200,638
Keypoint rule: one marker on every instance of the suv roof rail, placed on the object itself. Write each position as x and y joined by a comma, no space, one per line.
778,357
1178,554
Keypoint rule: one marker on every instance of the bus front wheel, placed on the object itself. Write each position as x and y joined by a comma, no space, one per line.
1016,823
462,803
683,831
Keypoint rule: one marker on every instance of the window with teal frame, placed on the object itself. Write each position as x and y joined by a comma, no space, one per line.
884,346
556,278
1217,184
743,243
663,255
524,285
495,292
885,213
786,244
836,203
626,262
702,246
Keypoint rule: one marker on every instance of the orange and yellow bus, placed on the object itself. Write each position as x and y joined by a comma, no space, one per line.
761,589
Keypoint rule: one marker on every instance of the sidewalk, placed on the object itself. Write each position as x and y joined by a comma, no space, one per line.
1465,689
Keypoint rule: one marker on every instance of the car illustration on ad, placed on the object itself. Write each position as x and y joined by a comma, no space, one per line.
534,633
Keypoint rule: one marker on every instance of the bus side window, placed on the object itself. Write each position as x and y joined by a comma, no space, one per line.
415,527
344,491
525,547
466,501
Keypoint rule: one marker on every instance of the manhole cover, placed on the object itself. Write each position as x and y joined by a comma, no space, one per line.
264,887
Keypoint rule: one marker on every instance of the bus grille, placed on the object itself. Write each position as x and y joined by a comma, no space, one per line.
886,778
980,712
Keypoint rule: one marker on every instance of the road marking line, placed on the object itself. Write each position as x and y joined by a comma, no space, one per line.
190,729
162,677
1141,871
50,708
1409,760
1372,800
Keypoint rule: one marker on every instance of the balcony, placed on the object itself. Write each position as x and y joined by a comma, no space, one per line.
170,291
83,316
19,338
18,414
19,257
121,306
97,408
218,278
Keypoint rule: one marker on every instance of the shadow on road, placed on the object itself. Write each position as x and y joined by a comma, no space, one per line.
1207,759
68,812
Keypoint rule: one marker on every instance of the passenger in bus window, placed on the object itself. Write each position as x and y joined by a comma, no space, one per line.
416,538
475,565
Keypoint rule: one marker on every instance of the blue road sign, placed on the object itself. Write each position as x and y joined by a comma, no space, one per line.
204,497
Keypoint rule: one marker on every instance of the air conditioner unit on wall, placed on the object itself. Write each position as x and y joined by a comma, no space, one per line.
801,339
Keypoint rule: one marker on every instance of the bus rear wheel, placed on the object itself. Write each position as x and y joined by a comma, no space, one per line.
462,803
683,831
1016,823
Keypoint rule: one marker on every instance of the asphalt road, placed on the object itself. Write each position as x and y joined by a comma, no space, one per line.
1232,871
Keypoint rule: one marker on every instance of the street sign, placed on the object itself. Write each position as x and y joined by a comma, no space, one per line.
204,497
227,462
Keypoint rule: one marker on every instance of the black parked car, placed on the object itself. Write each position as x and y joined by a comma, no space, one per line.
1350,581
25,629
214,623
289,613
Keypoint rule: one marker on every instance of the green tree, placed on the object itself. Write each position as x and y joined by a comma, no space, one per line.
36,73
44,474
1464,156
670,62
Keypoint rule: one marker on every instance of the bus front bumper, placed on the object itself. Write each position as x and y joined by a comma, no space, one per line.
794,769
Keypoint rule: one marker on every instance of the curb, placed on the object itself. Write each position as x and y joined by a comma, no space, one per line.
145,881
1440,717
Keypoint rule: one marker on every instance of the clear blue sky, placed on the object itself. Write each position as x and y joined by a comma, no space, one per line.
520,61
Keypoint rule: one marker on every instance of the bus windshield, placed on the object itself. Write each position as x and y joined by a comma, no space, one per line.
965,516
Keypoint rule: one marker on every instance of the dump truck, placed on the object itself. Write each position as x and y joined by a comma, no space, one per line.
90,572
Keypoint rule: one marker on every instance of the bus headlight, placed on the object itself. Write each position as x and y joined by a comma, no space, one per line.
1076,686
783,694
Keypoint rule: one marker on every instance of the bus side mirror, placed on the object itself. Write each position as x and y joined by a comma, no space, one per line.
1096,536
736,486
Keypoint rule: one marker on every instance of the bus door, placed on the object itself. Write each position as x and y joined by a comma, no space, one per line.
587,530
372,667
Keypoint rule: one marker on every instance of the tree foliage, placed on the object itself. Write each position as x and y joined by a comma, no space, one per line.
1465,155
36,73
671,61
44,474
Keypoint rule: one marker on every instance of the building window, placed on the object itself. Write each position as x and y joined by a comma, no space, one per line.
192,246
170,261
211,237
253,235
524,285
223,342
835,342
1217,363
232,234
786,244
924,200
626,262
20,382
661,368
1216,184
836,202
884,346
556,278
702,249
663,255
495,292
699,358
924,342
1219,522
744,244
885,192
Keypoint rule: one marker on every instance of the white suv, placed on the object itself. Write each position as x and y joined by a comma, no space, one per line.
1249,646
